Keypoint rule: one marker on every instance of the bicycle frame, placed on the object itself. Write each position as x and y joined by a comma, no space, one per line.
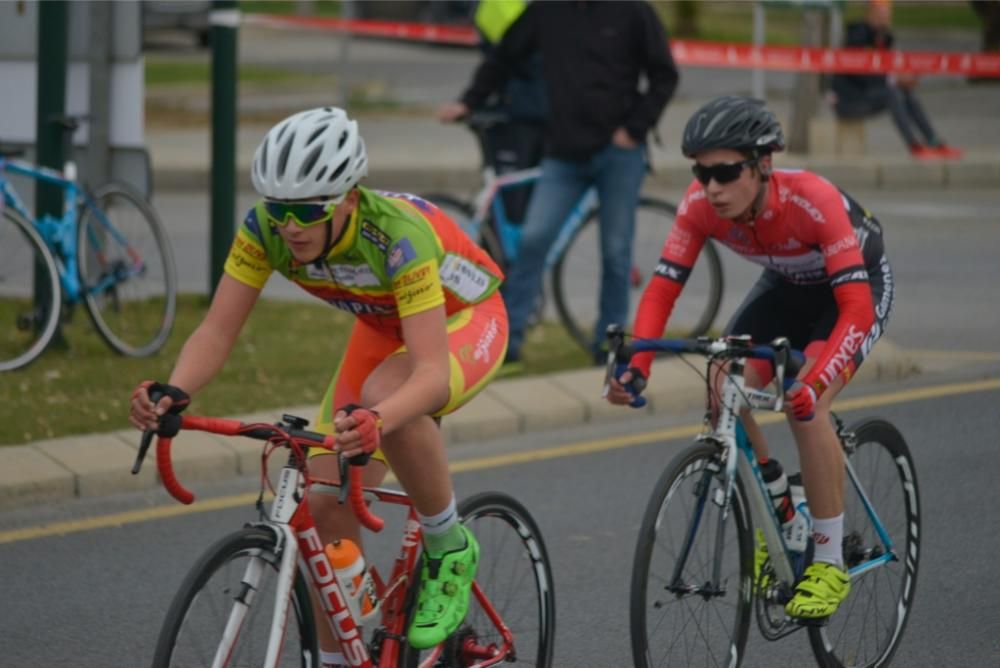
303,551
740,461
487,200
60,234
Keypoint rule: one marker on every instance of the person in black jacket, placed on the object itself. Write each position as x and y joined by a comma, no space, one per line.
861,95
594,55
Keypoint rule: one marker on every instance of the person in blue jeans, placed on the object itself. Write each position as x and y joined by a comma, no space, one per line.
594,55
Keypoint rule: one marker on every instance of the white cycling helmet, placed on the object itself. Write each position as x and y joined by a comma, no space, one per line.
314,153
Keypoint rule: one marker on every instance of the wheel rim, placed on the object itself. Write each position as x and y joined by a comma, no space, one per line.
866,629
127,274
515,576
577,277
27,324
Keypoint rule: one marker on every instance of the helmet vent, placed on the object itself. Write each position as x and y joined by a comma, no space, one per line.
316,133
337,172
322,171
281,132
310,161
283,158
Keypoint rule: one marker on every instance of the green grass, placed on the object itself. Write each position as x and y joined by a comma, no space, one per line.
285,356
165,72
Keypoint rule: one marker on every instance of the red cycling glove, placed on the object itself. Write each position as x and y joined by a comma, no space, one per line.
368,425
801,399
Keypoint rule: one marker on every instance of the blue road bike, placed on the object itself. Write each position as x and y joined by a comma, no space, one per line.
107,250
574,261
693,585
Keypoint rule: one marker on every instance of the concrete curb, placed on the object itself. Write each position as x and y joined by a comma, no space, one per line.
94,465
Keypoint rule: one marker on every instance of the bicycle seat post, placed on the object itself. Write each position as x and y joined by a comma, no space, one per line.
68,126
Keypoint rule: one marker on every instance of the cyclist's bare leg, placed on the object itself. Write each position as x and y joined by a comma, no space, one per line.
820,455
753,430
416,450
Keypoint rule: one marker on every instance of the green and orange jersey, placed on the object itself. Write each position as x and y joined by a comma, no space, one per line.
399,255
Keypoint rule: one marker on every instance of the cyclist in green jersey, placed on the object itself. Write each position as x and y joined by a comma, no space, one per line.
430,332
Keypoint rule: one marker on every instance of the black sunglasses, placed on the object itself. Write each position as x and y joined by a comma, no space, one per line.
724,172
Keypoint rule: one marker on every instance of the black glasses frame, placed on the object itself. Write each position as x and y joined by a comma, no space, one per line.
723,172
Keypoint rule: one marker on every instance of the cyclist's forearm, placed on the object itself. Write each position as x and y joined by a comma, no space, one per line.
201,358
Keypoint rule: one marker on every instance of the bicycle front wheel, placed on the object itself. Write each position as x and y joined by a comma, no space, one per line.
30,292
515,575
225,606
576,276
680,614
127,272
867,629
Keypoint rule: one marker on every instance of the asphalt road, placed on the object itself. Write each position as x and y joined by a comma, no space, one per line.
91,584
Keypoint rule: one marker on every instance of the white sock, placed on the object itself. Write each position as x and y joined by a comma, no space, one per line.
332,659
441,532
828,535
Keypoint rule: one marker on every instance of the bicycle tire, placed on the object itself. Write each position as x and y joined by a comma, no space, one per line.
511,551
658,617
194,624
462,212
27,324
134,312
853,636
579,266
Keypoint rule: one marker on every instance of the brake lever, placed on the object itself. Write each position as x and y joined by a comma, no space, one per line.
345,481
147,440
781,346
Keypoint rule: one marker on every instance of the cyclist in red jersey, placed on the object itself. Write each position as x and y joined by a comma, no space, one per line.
827,286
430,333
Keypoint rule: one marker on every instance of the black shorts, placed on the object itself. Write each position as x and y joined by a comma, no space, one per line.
806,313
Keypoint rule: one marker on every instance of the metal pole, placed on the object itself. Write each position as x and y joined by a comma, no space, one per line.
348,10
225,19
98,169
53,39
757,78
806,90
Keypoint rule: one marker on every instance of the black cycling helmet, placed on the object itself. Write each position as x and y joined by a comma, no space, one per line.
739,123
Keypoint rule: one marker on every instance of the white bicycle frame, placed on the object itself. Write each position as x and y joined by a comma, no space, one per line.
736,396
283,507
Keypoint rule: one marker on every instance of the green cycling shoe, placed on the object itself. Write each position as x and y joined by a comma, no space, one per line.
759,559
445,584
820,592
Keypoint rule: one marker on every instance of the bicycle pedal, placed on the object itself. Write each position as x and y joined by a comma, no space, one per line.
816,623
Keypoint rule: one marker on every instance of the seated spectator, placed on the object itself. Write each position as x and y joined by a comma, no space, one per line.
860,96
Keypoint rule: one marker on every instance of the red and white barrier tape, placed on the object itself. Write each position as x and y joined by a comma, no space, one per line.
688,52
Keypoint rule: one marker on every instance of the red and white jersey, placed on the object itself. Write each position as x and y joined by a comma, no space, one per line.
808,232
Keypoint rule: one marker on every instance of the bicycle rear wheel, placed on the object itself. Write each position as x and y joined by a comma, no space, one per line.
682,621
576,276
868,627
30,292
483,234
127,271
515,575
234,584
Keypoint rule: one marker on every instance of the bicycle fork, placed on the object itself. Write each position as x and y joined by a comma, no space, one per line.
250,585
